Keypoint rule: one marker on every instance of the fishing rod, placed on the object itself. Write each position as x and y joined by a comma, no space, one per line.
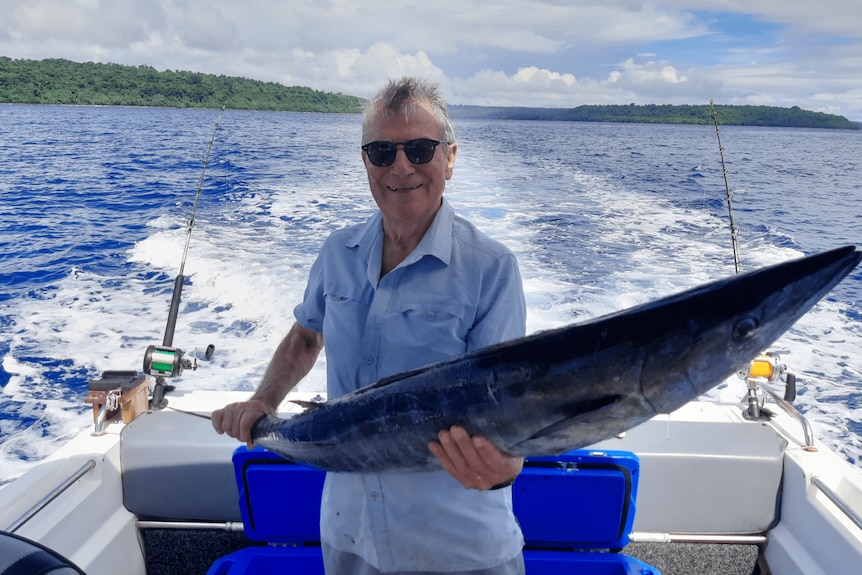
165,360
734,231
767,368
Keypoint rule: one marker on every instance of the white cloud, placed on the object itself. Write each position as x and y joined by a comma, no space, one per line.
527,87
47,18
545,78
650,72
648,82
512,52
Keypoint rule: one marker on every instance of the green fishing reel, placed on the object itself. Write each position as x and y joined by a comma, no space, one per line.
163,361
166,361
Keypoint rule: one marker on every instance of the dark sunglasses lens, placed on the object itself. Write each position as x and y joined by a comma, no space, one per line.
420,151
381,153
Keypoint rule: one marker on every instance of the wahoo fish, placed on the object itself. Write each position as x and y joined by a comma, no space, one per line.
564,388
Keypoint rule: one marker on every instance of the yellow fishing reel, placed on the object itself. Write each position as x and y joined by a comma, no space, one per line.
764,370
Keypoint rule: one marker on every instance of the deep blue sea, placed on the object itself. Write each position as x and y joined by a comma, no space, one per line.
94,204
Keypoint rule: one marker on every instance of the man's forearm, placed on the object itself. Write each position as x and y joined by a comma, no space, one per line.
293,359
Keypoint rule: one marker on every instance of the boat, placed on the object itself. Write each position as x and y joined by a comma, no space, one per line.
725,487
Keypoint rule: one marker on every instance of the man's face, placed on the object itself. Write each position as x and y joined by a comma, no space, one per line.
409,194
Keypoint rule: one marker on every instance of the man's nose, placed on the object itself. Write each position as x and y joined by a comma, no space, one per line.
401,163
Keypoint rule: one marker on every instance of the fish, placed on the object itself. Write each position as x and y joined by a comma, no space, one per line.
564,388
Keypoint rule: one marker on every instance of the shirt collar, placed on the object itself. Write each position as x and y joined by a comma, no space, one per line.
436,242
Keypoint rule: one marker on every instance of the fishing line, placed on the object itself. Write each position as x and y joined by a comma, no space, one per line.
186,412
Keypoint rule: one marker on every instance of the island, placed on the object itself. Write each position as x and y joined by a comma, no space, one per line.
793,117
60,81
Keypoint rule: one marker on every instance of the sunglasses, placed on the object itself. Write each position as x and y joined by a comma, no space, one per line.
418,151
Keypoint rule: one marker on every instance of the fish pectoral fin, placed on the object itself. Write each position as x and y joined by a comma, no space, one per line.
306,404
576,413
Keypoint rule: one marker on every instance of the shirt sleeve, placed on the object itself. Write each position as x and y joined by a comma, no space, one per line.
502,311
310,312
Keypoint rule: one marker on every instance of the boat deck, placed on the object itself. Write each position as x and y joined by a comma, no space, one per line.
717,495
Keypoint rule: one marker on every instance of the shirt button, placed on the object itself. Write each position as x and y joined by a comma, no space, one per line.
432,314
369,360
374,495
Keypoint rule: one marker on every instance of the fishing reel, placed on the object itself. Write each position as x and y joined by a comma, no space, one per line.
764,370
164,361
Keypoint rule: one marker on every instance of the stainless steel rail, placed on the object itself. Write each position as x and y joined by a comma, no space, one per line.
655,537
51,496
217,526
792,412
836,499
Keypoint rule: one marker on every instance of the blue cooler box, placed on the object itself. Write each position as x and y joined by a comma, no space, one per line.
576,511
280,505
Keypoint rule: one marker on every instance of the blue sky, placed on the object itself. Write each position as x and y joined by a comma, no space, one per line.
727,37
500,52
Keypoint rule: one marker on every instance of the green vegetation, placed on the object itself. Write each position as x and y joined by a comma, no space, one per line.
58,81
668,114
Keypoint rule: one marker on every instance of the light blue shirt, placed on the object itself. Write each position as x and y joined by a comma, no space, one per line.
457,291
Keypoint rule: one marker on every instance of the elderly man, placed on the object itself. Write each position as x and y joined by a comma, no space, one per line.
414,284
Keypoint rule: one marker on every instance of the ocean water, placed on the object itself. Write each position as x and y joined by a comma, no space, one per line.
95,204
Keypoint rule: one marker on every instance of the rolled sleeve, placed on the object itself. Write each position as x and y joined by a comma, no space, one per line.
503,310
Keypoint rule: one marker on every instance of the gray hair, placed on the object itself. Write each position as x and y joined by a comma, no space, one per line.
402,96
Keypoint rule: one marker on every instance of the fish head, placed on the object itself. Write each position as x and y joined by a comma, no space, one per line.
722,326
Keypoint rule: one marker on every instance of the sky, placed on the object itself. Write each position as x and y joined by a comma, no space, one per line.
542,53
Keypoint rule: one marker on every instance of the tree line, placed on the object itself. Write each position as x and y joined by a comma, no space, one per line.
794,117
58,81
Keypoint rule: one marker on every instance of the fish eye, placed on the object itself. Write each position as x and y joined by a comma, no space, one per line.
745,328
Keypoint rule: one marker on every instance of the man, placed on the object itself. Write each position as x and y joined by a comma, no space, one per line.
412,285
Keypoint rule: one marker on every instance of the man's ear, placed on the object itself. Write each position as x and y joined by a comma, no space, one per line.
450,159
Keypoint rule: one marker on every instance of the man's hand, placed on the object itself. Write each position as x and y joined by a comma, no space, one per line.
474,461
237,419
292,360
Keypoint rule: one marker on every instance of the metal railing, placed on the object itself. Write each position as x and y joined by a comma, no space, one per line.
792,412
836,499
51,496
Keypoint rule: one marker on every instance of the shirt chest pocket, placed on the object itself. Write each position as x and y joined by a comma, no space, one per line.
438,328
344,316
434,312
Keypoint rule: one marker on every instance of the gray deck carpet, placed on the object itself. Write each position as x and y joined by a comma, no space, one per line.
192,552
697,558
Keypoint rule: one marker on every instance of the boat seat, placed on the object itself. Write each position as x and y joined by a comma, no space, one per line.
576,511
176,468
